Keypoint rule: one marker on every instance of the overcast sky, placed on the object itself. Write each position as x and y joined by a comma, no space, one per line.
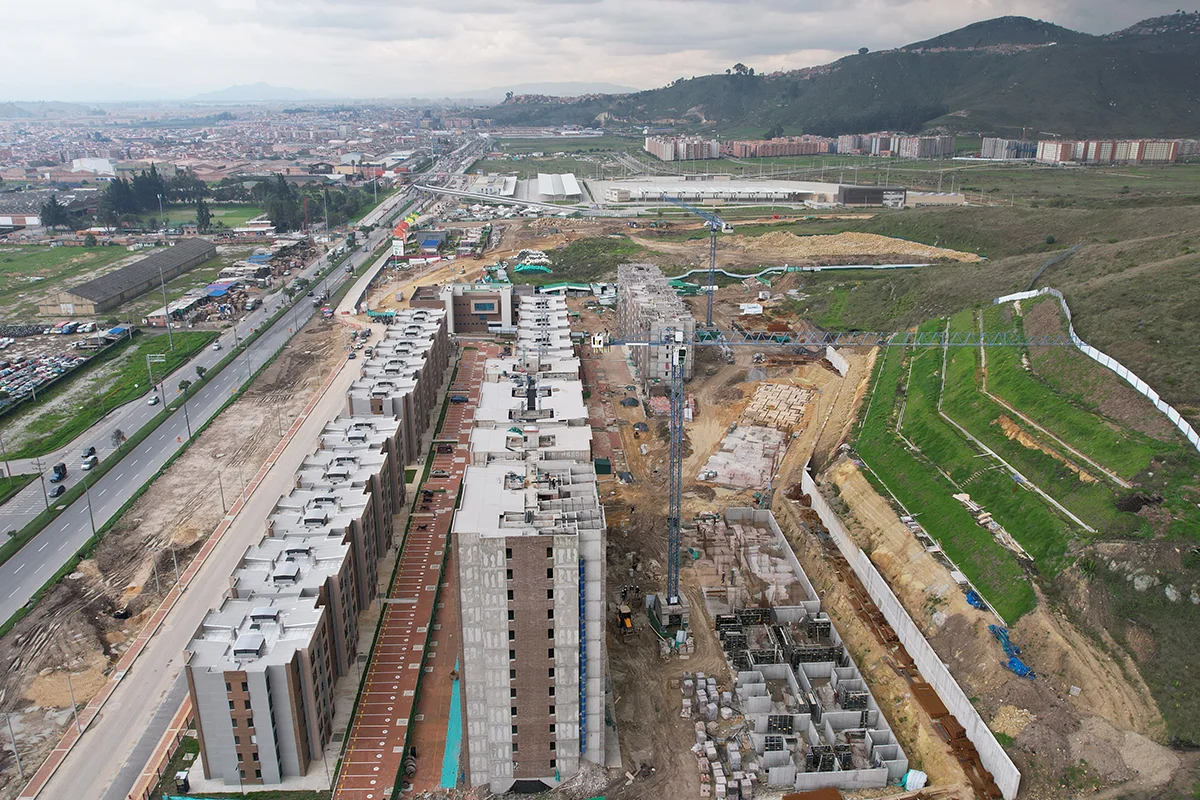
139,49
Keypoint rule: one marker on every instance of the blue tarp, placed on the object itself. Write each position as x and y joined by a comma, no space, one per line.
974,600
220,291
1012,651
260,258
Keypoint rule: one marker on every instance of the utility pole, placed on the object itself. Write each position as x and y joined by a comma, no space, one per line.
161,216
87,490
38,463
186,418
7,468
221,490
74,710
166,309
17,755
155,358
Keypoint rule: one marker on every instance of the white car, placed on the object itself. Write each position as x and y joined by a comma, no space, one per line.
216,345
153,401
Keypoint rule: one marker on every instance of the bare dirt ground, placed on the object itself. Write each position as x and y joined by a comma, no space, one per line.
1103,736
655,741
76,627
740,250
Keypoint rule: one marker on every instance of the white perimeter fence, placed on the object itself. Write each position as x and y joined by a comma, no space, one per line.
933,670
1100,357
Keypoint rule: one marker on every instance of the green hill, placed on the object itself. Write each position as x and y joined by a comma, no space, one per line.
997,76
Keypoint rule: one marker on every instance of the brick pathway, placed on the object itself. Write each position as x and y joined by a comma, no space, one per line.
381,731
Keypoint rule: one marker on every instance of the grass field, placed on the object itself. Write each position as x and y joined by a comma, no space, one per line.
50,430
919,486
231,215
587,144
36,271
586,260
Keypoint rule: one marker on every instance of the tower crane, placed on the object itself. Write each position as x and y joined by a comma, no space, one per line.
714,224
670,609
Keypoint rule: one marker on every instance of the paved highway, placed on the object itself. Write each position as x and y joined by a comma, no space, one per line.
107,759
26,572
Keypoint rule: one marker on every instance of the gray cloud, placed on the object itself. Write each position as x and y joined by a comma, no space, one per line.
175,48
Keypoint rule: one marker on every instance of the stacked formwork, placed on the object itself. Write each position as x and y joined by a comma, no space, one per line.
649,310
811,719
530,533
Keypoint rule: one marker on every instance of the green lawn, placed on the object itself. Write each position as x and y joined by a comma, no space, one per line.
526,168
1026,515
51,266
9,486
919,486
54,429
589,144
586,260
232,215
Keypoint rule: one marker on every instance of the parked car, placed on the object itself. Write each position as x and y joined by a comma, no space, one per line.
58,491
352,355
459,398
89,463
439,473
88,452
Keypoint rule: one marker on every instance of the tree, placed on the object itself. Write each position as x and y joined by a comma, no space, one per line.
203,216
200,371
739,68
184,385
727,71
53,213
185,187
118,439
89,240
751,72
862,51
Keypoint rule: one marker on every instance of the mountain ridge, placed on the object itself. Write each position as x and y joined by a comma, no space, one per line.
996,76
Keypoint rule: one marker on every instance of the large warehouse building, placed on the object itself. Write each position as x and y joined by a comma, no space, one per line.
111,290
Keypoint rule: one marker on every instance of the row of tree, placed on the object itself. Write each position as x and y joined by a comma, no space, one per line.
288,207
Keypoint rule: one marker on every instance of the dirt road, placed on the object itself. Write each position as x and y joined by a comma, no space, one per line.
85,623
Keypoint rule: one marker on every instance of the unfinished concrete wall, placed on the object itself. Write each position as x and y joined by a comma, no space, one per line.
1005,773
647,308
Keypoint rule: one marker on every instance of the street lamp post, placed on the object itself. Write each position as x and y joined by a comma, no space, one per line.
186,418
38,463
17,755
166,309
74,708
161,216
87,490
156,358
7,468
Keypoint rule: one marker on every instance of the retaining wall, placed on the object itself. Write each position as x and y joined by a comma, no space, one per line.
1106,360
1005,773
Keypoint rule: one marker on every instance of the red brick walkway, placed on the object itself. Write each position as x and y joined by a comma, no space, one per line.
381,731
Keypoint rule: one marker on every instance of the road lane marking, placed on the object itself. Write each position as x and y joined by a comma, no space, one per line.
18,569
122,475
102,491
61,546
43,547
64,527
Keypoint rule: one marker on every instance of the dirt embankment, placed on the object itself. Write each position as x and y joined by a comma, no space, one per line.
1087,693
84,624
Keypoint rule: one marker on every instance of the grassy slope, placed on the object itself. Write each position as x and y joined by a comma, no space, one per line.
919,486
586,260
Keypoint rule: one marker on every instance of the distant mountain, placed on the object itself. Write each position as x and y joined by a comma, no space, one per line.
551,89
998,76
257,93
1005,30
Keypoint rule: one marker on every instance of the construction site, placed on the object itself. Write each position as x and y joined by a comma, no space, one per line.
638,561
